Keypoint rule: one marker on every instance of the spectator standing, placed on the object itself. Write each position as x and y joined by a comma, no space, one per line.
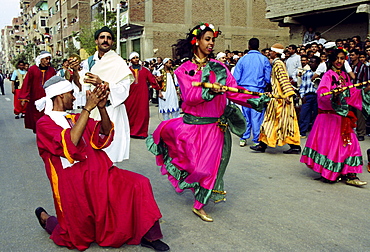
308,36
360,71
17,82
2,77
253,72
293,63
307,92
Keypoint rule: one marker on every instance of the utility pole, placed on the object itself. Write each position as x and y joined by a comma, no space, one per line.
118,31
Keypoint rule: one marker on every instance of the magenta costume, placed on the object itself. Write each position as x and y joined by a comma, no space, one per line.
190,152
332,148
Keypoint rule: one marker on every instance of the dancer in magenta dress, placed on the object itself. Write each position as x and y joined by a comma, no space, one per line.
191,150
332,148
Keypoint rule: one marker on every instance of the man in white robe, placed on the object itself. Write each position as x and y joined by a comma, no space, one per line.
168,102
108,68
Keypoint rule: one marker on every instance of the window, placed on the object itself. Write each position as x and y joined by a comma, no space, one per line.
57,6
43,21
58,26
136,45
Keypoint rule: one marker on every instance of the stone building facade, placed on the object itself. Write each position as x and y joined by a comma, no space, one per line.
334,19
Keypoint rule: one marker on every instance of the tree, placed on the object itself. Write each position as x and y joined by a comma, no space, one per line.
29,54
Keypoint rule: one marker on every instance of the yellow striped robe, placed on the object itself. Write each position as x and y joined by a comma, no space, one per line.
280,124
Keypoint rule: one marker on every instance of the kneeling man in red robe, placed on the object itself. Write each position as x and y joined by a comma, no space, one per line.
94,200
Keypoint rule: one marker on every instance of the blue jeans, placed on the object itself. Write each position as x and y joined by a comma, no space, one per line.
308,112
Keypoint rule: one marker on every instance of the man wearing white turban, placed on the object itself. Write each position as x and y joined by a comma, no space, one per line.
32,88
137,103
94,200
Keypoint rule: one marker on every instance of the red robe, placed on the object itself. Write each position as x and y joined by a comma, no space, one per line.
137,103
33,90
94,200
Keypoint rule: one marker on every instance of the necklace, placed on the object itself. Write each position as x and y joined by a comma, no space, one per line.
200,62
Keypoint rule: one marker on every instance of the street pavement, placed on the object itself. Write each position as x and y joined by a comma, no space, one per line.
273,202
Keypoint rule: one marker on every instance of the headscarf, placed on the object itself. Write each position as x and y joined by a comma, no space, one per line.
133,54
56,85
103,29
43,54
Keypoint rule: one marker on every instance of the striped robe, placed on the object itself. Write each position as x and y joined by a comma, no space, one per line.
280,124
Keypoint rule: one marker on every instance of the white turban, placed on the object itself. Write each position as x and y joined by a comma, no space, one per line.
165,60
42,55
133,54
56,85
278,50
235,57
220,55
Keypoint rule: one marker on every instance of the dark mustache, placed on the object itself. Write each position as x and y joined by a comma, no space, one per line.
105,43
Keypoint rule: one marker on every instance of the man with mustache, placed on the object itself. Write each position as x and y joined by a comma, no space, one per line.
108,68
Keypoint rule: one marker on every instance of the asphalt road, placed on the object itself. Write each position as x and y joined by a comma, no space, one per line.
273,202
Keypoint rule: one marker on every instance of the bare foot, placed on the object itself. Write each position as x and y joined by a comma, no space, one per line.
44,216
202,211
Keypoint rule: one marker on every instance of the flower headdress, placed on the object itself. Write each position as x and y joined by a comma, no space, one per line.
201,28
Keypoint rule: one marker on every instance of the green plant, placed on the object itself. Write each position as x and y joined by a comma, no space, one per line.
28,55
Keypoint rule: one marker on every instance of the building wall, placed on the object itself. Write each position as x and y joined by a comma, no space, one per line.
166,21
280,8
334,19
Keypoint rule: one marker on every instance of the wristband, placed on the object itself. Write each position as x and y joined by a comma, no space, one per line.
86,110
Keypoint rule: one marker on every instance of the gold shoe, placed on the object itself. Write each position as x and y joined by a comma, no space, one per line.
204,217
356,182
368,167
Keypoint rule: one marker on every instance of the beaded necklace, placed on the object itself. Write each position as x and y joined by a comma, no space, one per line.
200,62
164,74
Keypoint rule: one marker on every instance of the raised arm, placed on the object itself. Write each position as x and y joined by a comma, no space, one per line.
93,98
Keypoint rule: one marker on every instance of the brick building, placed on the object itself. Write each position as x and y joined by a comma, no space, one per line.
334,19
153,25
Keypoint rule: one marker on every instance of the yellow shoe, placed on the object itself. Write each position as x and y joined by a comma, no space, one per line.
204,217
356,182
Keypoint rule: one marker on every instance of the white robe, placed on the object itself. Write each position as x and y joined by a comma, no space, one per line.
170,102
114,70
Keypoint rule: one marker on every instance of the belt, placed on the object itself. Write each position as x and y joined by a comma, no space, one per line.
310,93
